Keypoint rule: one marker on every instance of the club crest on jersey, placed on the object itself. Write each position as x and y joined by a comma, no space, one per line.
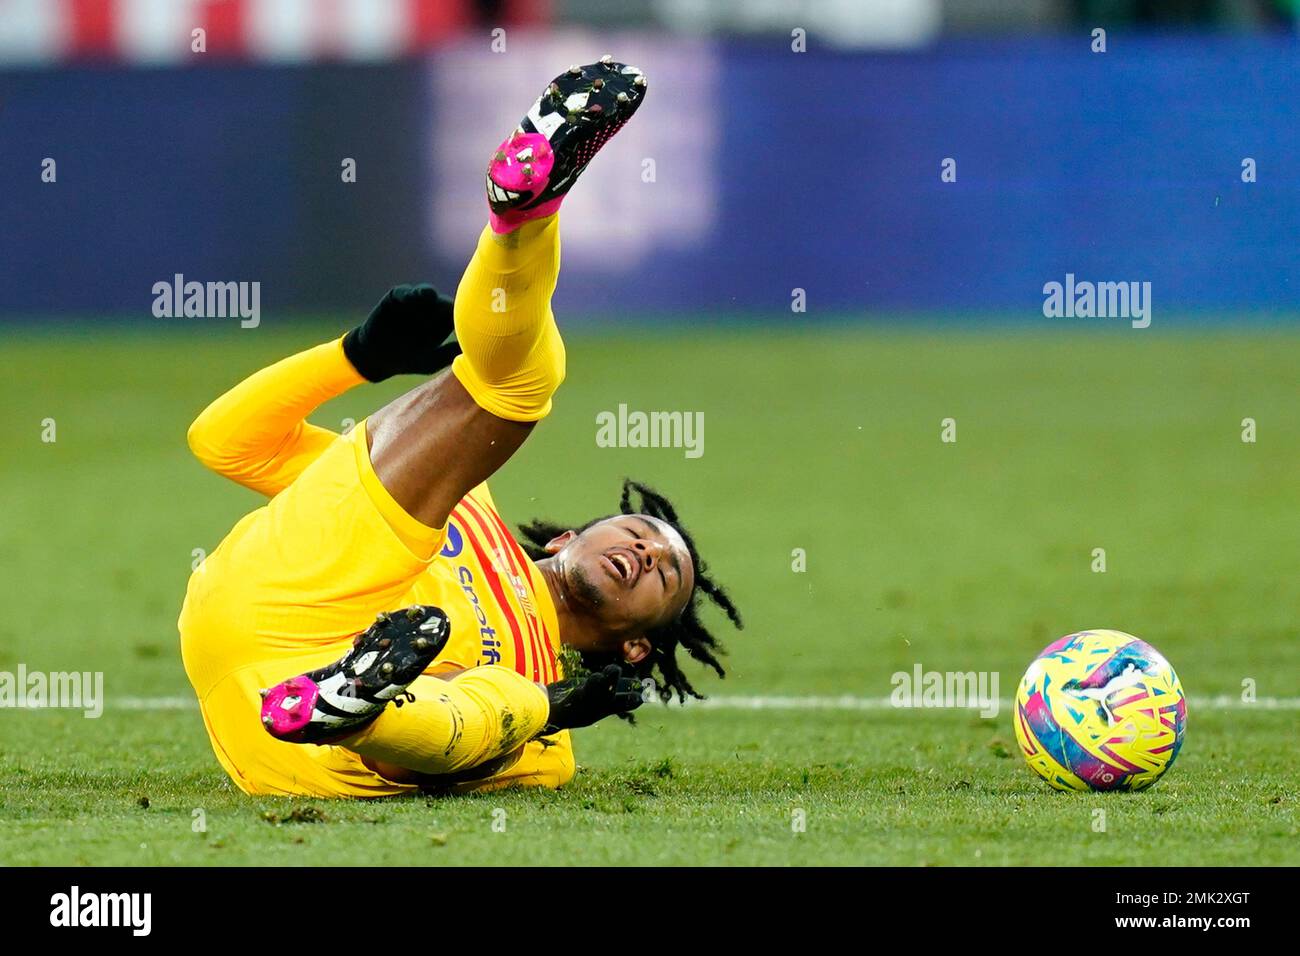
501,565
521,592
454,544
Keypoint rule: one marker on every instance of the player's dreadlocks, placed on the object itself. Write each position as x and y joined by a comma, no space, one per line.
686,631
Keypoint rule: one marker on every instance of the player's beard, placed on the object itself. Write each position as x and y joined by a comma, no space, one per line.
584,588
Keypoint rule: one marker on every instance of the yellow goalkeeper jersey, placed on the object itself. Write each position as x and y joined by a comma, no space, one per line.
294,580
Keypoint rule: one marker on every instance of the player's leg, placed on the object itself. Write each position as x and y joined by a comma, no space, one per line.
433,445
428,449
284,595
473,724
435,726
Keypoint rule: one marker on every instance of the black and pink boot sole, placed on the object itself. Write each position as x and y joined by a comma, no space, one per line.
334,702
530,173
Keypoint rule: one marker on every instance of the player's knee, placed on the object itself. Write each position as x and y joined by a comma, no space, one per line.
541,378
520,390
552,364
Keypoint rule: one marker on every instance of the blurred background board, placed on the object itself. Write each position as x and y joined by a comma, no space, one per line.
754,171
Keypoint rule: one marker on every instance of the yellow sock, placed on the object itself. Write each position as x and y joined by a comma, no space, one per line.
513,357
481,714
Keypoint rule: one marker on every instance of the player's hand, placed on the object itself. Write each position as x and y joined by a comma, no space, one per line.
582,701
403,335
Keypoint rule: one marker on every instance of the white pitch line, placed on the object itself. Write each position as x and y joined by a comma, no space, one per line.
849,702
151,703
791,702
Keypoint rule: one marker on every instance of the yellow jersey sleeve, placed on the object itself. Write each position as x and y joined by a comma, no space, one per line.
256,433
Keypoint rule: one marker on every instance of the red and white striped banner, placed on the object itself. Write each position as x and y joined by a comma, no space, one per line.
163,31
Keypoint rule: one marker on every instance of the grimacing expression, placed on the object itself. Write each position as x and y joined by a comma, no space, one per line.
633,572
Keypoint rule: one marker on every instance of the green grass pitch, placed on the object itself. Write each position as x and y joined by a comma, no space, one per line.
964,556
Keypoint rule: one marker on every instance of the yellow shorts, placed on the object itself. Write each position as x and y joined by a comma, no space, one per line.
285,593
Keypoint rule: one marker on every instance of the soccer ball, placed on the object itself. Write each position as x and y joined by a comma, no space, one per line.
1100,710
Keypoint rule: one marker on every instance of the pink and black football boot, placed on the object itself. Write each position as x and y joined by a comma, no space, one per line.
334,702
530,173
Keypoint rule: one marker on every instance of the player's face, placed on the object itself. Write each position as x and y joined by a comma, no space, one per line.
632,572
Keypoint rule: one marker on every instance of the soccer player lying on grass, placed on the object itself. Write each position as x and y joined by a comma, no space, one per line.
464,689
